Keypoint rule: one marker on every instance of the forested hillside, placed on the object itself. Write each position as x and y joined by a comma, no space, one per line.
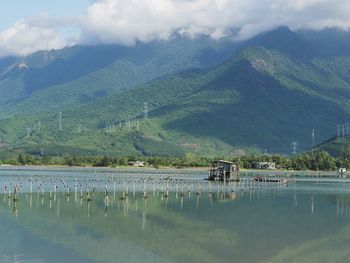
273,91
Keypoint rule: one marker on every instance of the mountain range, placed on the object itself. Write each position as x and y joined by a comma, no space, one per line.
210,97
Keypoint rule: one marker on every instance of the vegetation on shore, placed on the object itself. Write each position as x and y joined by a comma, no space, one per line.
316,161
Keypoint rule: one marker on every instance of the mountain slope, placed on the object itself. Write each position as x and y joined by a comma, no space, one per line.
73,76
265,97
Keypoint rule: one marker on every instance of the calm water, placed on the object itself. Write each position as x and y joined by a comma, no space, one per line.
179,221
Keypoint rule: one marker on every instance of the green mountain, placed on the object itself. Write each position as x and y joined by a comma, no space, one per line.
61,79
336,147
275,90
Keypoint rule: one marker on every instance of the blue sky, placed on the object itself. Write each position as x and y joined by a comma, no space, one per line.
14,10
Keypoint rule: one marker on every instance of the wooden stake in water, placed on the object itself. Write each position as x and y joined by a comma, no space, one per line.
145,190
30,186
154,187
134,189
75,191
113,187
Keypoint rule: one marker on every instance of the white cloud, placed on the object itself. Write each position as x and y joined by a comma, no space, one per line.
127,21
30,35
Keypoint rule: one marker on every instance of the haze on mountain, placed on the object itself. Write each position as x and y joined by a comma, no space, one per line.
219,77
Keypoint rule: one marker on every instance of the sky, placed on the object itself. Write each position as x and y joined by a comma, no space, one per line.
13,10
27,26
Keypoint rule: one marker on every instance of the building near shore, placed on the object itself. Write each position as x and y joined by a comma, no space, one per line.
223,171
137,164
265,165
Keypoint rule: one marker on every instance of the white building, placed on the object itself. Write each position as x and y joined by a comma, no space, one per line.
265,165
137,164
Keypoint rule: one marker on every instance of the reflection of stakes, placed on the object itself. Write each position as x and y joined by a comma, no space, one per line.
15,210
145,190
176,191
88,209
210,196
197,204
88,196
113,187
198,189
154,187
15,194
134,189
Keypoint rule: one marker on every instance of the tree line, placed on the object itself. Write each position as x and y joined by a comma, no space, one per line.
317,161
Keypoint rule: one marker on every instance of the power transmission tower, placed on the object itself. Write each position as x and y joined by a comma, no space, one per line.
294,148
313,139
60,121
28,131
145,111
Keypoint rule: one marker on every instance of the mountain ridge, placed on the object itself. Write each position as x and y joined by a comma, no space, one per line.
263,97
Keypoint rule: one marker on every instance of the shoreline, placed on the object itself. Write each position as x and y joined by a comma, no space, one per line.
246,172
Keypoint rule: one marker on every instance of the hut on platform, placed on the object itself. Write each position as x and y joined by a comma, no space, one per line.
223,171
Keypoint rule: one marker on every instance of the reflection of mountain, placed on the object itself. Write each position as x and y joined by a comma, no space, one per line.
328,249
159,229
132,230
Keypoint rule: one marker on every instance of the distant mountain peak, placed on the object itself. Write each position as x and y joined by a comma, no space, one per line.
285,41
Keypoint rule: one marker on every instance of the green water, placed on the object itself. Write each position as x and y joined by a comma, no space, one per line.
304,222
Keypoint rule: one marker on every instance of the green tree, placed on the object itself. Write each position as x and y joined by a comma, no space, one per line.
21,159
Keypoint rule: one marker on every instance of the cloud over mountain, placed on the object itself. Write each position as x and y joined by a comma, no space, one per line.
127,21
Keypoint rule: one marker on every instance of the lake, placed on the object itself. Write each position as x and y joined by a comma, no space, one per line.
63,215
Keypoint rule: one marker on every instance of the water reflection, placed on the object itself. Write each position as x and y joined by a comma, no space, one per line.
169,221
118,199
